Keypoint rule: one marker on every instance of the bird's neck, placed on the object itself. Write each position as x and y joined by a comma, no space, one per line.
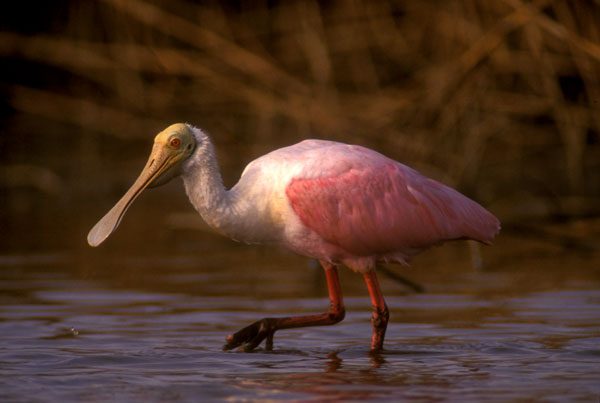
205,189
237,213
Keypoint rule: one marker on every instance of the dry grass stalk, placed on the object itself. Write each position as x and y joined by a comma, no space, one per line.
469,88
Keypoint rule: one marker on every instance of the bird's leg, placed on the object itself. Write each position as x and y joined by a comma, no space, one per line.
380,315
251,336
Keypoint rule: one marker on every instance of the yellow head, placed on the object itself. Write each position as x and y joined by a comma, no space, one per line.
171,148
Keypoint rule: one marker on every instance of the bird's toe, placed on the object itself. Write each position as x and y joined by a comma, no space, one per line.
251,336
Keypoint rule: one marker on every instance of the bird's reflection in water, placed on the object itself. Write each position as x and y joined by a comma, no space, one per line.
377,359
334,362
340,380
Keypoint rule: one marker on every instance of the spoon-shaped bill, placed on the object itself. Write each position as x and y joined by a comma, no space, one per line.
107,224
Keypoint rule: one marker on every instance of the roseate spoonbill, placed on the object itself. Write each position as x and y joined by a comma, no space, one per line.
338,203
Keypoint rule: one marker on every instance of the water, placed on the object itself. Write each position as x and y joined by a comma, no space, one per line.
123,327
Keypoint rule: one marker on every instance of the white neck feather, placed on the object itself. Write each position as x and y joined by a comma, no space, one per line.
229,212
204,185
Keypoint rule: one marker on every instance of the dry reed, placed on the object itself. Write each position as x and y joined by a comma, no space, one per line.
498,98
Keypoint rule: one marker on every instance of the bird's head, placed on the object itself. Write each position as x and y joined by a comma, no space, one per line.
172,147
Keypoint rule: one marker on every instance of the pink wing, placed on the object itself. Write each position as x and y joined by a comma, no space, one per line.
385,207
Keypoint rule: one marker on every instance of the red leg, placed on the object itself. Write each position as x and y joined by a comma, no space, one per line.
251,336
381,314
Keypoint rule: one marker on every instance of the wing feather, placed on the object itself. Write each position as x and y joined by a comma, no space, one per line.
381,208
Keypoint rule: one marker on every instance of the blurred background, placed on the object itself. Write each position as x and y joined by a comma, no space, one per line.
500,99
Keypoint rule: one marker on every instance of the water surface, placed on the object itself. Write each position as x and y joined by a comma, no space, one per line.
150,327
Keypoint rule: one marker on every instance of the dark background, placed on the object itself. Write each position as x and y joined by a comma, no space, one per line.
500,99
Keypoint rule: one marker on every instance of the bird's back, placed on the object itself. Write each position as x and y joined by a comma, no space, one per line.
355,203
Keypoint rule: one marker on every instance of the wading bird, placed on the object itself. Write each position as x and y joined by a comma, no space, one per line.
338,203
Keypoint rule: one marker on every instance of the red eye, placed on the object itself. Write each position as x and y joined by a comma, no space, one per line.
175,142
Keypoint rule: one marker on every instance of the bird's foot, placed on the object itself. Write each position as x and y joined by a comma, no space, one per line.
252,335
379,321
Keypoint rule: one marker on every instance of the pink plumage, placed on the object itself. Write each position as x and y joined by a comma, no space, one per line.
376,209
